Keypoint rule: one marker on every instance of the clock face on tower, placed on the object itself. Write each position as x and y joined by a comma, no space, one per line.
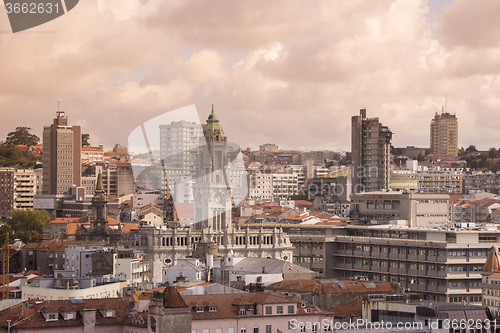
198,199
218,198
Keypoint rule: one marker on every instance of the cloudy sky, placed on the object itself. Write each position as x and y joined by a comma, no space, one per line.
289,72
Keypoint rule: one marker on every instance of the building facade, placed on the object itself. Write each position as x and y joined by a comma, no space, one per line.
419,209
444,134
370,147
443,263
62,156
212,231
17,190
179,143
482,181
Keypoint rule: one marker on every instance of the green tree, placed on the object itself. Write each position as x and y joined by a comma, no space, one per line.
22,136
492,153
4,230
25,224
471,149
461,151
10,156
85,139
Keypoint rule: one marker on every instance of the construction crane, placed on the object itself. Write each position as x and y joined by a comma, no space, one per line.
5,268
169,213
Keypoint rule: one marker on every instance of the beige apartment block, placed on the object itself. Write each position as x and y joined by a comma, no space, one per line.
17,190
444,134
62,156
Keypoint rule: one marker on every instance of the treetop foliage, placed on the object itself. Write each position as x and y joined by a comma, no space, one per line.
22,136
25,224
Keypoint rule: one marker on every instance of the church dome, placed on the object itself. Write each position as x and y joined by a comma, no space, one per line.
493,262
212,127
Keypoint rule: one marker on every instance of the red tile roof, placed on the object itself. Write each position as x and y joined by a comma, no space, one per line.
350,310
173,299
303,203
228,304
330,287
32,316
53,245
87,148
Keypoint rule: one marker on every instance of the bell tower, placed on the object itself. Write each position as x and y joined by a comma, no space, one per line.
212,190
99,207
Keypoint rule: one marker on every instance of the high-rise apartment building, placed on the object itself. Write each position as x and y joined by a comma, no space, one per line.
62,150
17,189
179,142
444,134
371,152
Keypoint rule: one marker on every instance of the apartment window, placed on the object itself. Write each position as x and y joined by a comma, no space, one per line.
269,310
212,309
255,330
279,309
199,309
315,328
52,317
291,309
269,328
242,311
243,330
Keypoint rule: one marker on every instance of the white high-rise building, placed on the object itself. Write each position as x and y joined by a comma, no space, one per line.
179,142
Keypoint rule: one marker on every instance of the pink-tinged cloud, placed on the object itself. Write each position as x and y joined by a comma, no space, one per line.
286,71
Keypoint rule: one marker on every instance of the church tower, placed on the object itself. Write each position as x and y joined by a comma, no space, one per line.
212,189
99,207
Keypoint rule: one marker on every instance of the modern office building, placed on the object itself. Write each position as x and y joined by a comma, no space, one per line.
371,152
62,156
444,134
418,209
444,263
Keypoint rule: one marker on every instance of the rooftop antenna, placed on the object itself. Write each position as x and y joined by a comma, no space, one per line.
446,102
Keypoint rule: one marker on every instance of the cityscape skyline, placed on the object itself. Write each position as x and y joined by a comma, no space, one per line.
250,166
296,79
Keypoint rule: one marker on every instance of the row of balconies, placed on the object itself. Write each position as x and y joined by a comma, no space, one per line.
384,255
